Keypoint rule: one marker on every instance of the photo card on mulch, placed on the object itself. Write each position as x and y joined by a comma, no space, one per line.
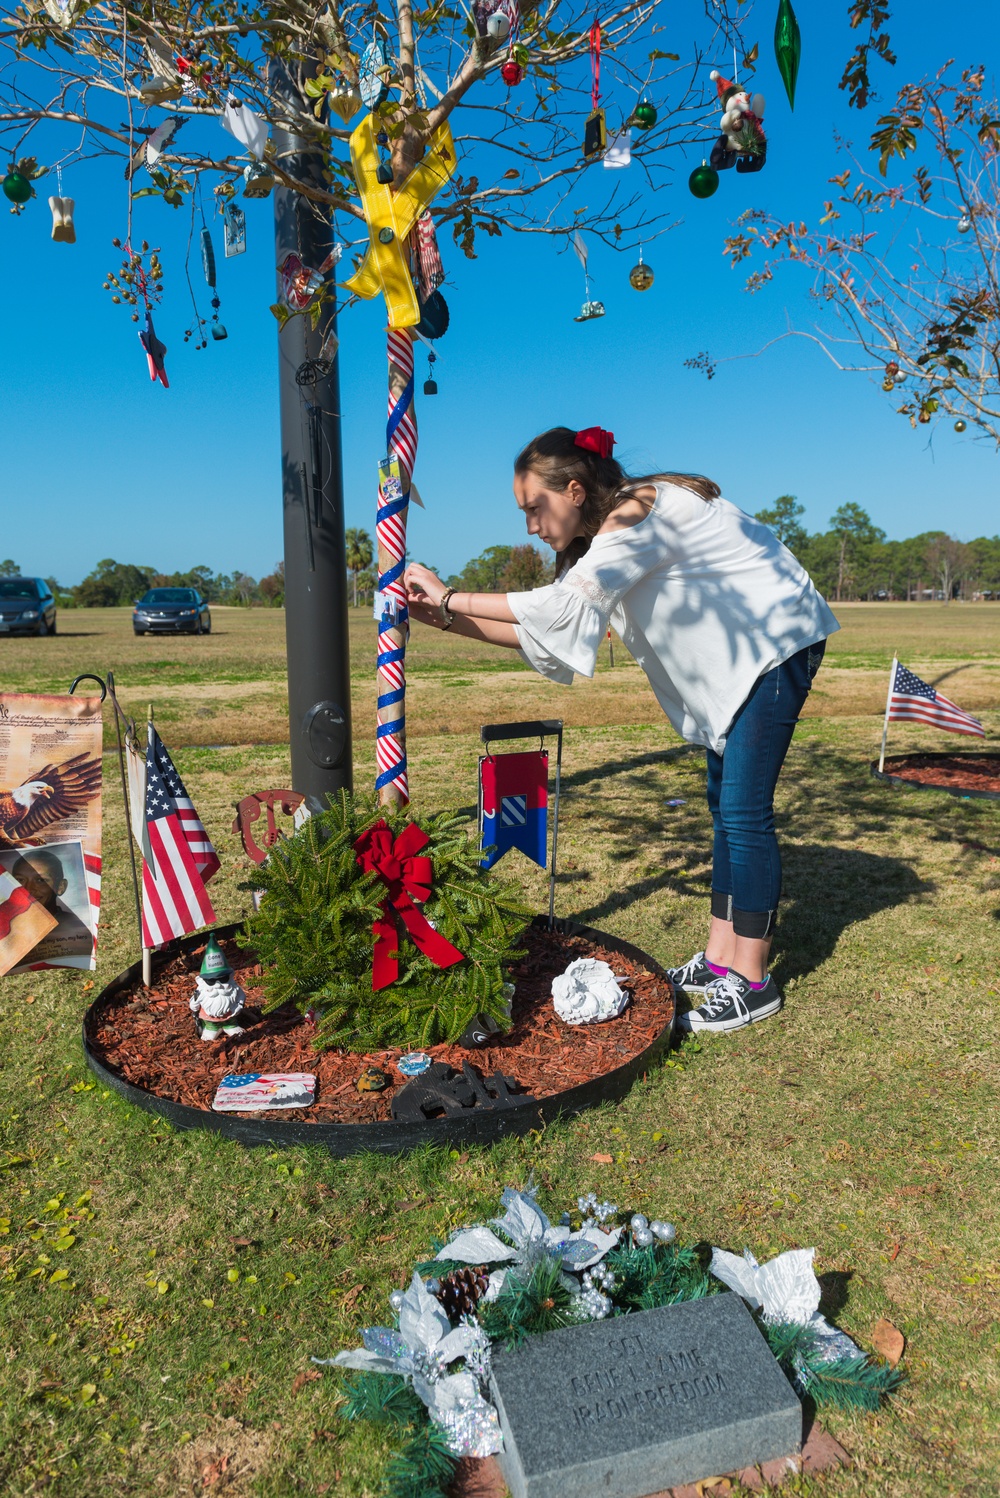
255,1090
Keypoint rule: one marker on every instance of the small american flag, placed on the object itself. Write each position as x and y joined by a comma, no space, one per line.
913,701
177,859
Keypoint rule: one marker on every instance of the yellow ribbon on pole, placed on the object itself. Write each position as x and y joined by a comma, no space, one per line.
391,216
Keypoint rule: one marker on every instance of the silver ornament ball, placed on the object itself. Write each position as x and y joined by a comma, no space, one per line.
642,1237
396,1298
638,1222
665,1231
964,224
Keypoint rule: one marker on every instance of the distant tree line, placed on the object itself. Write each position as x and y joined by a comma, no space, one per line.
113,584
851,559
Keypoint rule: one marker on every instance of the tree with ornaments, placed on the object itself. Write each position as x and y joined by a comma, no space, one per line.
383,140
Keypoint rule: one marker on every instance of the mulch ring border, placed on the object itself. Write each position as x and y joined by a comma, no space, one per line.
962,792
387,1137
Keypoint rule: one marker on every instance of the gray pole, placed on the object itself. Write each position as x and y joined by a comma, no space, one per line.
316,619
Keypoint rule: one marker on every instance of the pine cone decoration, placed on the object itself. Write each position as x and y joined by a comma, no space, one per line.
462,1290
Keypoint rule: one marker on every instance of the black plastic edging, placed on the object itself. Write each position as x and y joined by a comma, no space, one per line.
949,790
386,1136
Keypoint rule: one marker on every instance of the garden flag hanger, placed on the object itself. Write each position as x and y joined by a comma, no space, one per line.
514,794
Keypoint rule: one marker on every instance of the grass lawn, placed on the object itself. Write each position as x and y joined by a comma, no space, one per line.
200,1278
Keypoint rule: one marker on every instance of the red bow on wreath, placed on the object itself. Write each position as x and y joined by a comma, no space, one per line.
406,878
596,440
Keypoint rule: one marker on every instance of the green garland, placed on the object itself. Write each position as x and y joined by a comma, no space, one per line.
535,1300
313,933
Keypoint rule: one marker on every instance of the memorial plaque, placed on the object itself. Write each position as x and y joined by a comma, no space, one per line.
632,1405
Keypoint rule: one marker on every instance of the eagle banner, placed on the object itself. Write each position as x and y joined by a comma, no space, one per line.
50,822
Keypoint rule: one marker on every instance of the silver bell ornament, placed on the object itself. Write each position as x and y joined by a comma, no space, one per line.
498,26
345,100
638,1222
396,1298
642,1237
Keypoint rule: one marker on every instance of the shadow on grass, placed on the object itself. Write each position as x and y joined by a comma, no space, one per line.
829,889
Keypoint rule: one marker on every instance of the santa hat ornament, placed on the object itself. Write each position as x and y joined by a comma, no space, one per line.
63,228
742,143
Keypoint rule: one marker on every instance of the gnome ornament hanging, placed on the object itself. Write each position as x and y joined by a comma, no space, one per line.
742,143
218,1000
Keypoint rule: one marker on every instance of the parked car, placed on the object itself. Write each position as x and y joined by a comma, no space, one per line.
172,611
26,606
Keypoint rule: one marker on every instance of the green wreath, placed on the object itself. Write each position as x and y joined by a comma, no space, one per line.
313,933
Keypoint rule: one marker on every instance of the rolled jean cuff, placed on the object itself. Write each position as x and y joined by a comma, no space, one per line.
756,924
722,905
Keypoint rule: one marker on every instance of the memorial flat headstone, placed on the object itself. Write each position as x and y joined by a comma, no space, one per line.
632,1405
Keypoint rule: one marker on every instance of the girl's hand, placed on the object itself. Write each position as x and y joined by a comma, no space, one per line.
424,612
422,586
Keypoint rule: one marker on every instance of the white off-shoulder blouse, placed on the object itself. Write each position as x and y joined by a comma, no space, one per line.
706,599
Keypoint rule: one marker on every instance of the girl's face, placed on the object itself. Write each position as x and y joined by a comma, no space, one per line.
553,515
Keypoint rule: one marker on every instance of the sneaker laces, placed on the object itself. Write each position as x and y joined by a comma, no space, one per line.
728,990
686,973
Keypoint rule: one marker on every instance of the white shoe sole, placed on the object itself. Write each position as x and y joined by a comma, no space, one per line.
696,1025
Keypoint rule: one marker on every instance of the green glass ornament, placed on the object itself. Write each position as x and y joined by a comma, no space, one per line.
703,181
16,187
787,47
644,115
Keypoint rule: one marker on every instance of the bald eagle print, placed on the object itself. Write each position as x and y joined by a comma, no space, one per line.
56,792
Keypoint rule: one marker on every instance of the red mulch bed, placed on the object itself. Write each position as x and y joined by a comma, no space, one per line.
148,1037
953,772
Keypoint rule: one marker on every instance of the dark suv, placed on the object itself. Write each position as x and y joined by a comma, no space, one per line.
173,611
26,606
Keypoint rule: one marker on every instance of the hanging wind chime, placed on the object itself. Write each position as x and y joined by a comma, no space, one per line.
595,132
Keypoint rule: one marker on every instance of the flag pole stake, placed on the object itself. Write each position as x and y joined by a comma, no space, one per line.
888,704
147,952
125,796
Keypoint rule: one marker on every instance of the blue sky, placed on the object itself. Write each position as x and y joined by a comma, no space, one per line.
98,462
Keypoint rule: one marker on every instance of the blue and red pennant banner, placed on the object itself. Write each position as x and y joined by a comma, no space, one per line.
514,792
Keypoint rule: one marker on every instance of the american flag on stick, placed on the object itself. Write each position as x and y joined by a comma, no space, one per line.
178,858
911,700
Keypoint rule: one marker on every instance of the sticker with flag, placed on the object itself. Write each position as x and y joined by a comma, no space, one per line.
914,701
177,857
514,791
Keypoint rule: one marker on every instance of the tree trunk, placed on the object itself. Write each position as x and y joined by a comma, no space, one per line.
316,619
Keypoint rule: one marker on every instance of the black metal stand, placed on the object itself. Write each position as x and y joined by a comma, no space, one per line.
316,619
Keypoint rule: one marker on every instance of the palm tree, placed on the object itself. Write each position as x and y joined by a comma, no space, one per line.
359,554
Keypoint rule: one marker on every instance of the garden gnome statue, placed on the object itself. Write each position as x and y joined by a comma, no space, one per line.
218,1001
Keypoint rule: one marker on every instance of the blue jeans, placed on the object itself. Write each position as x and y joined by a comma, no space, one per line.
746,864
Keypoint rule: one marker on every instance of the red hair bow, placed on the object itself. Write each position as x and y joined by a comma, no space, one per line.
596,440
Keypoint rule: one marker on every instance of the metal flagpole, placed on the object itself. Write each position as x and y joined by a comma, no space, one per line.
147,952
888,704
125,796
